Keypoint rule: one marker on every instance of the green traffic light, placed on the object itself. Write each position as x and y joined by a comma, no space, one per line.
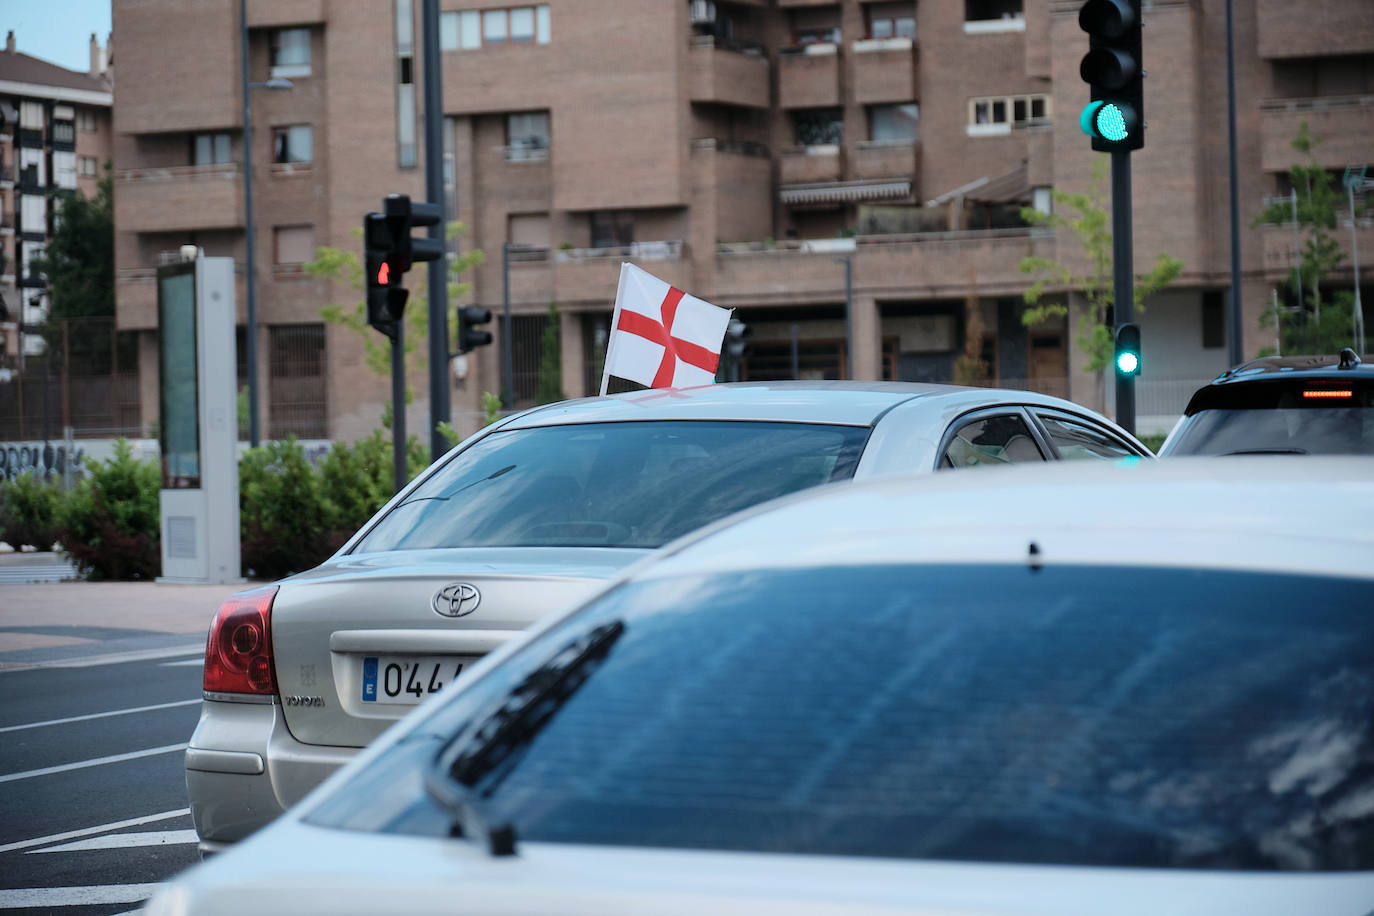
1105,120
1127,363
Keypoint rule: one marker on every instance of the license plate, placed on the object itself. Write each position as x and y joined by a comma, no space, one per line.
409,679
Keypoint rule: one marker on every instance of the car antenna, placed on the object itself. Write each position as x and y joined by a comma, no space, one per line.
1349,359
1033,555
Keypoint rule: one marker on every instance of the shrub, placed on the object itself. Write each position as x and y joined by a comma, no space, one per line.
108,525
283,518
28,509
357,480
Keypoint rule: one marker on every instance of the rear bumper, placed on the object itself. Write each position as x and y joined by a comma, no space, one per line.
243,768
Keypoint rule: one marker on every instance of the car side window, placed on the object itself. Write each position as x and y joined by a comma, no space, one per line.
1003,439
1076,440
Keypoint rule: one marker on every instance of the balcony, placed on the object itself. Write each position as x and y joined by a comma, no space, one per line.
1317,28
1347,123
265,14
592,274
885,70
939,264
809,164
1281,245
728,72
886,159
178,199
136,297
809,76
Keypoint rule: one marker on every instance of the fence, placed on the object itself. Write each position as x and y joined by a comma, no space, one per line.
86,381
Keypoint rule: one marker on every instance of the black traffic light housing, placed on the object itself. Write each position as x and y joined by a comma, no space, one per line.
1127,361
470,332
1113,70
389,251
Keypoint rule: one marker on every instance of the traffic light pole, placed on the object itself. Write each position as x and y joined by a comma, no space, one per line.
439,405
1123,274
398,407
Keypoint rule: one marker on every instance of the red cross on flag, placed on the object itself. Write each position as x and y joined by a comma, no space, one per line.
660,336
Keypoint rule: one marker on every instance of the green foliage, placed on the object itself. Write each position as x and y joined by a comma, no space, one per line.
109,524
28,512
550,361
357,480
283,514
1304,326
79,263
1090,220
1153,441
491,406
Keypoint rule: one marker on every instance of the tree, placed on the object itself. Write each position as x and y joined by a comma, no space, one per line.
1092,225
1304,327
79,264
550,361
345,266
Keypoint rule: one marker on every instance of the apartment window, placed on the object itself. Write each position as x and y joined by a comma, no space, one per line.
33,167
984,10
86,166
64,132
612,229
892,20
818,126
998,114
293,144
64,170
209,149
31,115
527,135
405,85
290,53
293,245
33,214
297,391
816,35
470,29
85,120
893,123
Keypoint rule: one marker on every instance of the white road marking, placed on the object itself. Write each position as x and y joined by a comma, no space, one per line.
125,841
102,828
198,661
98,761
22,897
99,715
115,658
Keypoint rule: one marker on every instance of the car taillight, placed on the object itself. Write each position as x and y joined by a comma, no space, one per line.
238,651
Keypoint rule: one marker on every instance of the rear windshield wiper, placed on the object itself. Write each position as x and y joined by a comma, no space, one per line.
471,766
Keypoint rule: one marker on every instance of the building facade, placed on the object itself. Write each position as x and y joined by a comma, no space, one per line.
850,176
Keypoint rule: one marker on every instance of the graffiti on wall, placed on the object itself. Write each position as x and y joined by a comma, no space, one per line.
45,459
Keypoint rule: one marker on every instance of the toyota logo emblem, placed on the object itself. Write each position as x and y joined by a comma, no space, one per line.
457,600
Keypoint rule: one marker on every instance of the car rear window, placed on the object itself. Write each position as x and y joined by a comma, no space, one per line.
1071,715
1316,417
612,484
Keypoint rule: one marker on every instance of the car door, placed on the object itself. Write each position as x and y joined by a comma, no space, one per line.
1002,435
1073,438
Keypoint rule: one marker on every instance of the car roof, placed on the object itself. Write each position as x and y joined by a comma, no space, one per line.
1261,513
1268,367
842,402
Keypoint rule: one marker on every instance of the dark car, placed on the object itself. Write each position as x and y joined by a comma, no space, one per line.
1317,405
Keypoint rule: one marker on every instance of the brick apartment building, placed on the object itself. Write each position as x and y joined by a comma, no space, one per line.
753,152
54,140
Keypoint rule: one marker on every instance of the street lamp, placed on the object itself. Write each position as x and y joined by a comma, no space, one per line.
250,263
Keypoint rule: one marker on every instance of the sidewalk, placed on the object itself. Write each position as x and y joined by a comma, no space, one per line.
72,622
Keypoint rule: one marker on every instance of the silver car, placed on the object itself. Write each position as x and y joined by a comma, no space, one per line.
1100,691
530,516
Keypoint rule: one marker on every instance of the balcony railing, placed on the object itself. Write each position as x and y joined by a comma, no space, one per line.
743,148
720,43
644,251
525,153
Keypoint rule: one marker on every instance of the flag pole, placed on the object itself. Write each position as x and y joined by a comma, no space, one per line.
615,320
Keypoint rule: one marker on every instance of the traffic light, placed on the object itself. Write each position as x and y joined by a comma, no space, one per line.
735,332
389,250
386,298
1128,351
470,333
1115,118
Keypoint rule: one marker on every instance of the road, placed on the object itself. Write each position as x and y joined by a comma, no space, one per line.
92,792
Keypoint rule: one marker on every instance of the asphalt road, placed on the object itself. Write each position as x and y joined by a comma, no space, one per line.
93,808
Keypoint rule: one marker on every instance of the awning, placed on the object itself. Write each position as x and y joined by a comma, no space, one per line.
843,192
1013,186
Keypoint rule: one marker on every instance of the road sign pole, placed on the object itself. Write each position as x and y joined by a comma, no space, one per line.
1123,287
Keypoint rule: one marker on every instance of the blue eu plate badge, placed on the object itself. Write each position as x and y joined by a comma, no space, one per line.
369,680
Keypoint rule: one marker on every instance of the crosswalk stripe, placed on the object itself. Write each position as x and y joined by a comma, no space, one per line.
102,828
95,762
125,841
22,897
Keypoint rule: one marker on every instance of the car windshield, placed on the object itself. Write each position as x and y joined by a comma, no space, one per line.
1312,418
632,484
1072,715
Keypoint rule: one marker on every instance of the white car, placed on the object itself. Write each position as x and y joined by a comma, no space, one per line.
530,516
1084,691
